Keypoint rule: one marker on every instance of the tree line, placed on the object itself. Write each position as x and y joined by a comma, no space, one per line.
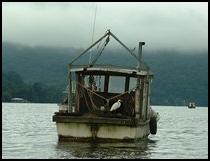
179,76
37,92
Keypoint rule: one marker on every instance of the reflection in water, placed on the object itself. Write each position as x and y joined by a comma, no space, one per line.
140,149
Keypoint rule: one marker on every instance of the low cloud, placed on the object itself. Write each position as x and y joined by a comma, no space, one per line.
176,25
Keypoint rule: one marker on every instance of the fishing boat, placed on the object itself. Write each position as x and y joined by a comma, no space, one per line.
92,112
191,105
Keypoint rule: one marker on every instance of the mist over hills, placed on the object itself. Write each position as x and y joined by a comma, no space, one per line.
178,76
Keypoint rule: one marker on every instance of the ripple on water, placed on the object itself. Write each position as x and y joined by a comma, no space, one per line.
28,132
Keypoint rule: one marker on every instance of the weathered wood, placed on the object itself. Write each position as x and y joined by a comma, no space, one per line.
70,92
137,99
92,119
141,98
106,83
147,97
112,71
127,82
78,91
97,120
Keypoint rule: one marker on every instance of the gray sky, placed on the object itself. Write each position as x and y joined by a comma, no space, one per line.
160,24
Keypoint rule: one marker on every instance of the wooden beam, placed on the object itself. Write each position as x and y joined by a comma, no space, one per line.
69,92
78,91
106,83
127,82
141,97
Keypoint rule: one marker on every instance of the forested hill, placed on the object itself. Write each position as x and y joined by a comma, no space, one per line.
178,76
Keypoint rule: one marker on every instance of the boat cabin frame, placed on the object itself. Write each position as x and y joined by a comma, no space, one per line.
136,102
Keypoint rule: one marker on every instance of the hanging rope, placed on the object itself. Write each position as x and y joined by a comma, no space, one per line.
100,52
103,98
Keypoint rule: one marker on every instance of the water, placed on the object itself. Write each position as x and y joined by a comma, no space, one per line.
28,132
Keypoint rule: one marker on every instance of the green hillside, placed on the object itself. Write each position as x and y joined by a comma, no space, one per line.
178,76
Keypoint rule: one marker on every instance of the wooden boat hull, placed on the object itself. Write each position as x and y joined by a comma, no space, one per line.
78,128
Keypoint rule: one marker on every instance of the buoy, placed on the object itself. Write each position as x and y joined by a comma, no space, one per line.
153,125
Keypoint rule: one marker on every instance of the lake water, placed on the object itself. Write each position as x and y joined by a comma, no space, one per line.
28,132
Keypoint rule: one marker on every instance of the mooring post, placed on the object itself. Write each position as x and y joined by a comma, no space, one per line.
138,105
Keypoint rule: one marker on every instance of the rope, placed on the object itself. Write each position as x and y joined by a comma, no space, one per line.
91,91
90,109
107,99
91,100
119,95
94,104
100,52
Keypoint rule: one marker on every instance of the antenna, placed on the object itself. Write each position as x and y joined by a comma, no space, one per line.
94,22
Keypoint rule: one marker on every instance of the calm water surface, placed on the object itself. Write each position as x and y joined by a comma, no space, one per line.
28,132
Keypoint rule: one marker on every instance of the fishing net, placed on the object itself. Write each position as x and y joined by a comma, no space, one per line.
95,102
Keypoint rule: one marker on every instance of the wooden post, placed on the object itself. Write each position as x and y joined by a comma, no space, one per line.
78,91
127,82
139,93
137,99
106,83
148,95
142,105
69,92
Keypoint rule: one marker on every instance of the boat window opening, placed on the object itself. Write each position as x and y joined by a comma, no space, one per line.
94,82
133,82
100,83
116,84
73,82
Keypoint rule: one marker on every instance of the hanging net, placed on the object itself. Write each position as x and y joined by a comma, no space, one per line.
96,103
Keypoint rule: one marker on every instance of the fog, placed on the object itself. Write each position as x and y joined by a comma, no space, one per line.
162,25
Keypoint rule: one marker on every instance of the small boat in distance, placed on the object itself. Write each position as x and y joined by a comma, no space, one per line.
19,100
93,112
191,105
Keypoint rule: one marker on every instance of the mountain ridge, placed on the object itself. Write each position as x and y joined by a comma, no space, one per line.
178,76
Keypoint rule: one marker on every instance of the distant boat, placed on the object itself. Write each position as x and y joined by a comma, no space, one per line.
191,105
19,100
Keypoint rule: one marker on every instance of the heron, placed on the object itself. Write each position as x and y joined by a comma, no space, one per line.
116,105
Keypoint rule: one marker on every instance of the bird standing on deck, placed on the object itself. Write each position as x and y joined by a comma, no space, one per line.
116,105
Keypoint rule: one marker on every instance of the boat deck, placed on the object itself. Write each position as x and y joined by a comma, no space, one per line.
97,119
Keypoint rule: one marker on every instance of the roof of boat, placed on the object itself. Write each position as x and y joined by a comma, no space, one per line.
112,70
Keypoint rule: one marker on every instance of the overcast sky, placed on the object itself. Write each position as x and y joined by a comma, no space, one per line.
161,25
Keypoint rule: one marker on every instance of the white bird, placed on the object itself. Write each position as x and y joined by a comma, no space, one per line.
116,105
